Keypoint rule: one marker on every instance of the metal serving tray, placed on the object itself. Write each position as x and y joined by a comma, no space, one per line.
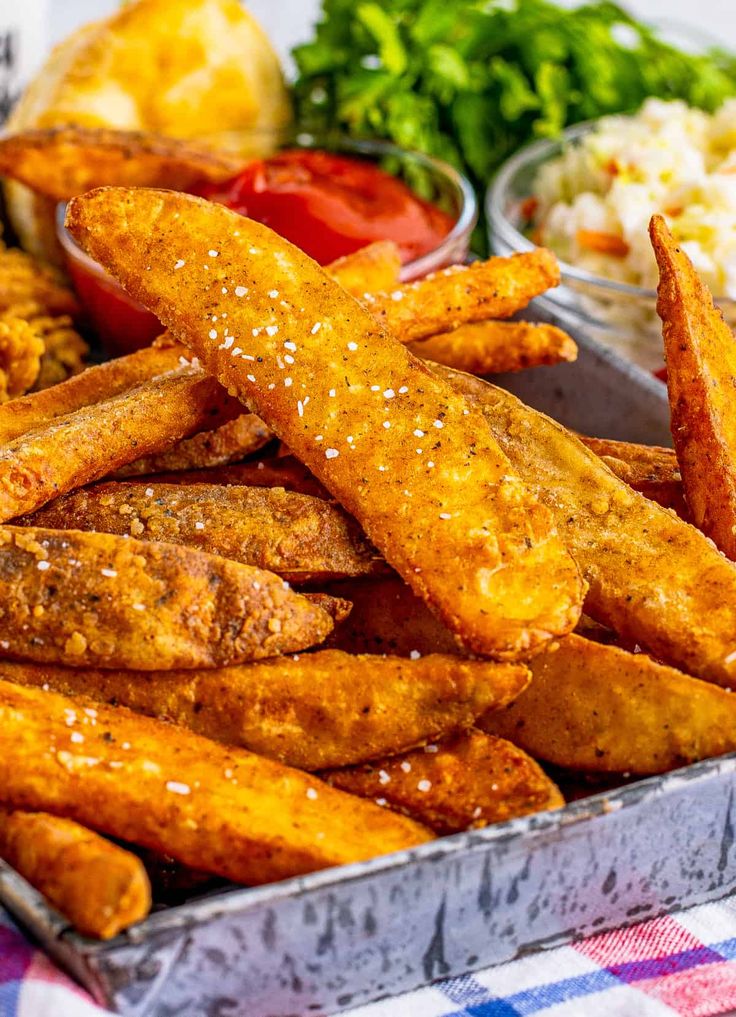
347,936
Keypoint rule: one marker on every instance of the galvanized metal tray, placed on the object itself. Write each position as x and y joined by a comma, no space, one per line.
347,936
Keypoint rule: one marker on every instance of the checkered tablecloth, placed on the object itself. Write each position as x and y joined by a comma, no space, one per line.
683,965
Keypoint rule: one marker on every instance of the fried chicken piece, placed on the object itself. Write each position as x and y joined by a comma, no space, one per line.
23,279
21,350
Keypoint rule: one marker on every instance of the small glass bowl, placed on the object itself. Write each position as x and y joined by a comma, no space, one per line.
123,325
617,314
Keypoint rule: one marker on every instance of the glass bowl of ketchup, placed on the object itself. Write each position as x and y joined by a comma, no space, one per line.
328,197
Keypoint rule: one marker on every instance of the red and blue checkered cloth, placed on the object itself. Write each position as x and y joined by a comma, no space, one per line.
683,965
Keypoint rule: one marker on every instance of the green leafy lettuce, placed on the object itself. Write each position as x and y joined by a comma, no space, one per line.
472,80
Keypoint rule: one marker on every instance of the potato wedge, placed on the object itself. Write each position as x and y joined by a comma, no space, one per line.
59,162
104,601
493,347
95,384
418,472
460,295
467,781
700,353
652,578
218,809
302,539
312,710
373,268
234,440
599,709
387,617
651,470
285,471
99,887
88,444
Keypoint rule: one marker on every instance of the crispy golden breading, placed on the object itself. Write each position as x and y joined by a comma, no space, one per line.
652,578
94,599
21,349
601,709
456,296
23,279
649,469
421,474
60,162
222,810
99,887
311,710
373,268
284,471
467,781
387,617
96,384
235,440
700,351
87,444
492,347
65,352
300,538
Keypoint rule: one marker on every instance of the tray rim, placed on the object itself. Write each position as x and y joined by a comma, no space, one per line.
237,900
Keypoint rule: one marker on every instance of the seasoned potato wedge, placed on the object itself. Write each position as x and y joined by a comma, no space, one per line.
99,887
464,782
399,449
493,347
700,351
653,578
219,809
301,538
105,601
600,709
312,710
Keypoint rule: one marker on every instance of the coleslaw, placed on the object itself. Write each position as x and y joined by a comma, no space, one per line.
592,204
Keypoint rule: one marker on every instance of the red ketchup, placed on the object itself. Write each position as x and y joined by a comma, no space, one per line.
328,205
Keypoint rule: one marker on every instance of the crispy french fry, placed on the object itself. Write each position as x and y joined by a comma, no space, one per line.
387,617
651,470
467,781
234,440
700,352
456,296
285,471
222,810
312,710
492,347
300,538
105,601
600,709
60,162
90,443
96,384
652,578
99,887
430,487
374,267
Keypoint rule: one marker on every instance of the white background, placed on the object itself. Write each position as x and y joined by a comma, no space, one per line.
288,21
